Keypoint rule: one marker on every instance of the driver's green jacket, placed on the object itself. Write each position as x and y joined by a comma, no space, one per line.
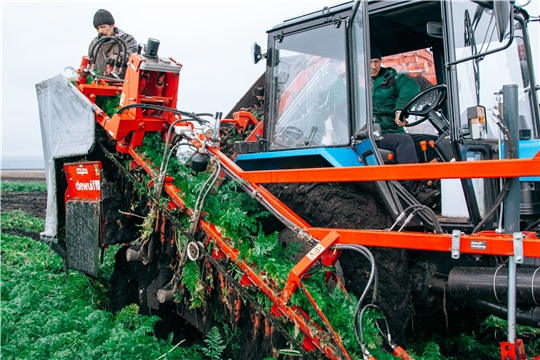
391,92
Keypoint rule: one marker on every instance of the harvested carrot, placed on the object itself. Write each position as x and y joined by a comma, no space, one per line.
163,223
256,324
237,308
267,328
157,222
221,280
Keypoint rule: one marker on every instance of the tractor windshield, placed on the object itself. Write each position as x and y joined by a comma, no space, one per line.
309,97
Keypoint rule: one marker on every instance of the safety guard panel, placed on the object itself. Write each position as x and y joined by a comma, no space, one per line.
83,214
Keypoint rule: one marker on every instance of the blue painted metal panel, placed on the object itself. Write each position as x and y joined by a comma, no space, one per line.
527,150
337,157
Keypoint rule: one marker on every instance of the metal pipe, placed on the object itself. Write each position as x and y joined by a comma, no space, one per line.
512,200
511,300
132,255
490,284
529,317
164,296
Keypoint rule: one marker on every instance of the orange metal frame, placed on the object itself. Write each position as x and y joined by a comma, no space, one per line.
495,244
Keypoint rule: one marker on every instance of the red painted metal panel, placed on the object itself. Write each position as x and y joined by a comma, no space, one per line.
83,180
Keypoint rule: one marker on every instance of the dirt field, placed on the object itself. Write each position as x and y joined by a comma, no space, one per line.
34,203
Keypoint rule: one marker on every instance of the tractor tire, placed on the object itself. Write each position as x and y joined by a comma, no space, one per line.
357,206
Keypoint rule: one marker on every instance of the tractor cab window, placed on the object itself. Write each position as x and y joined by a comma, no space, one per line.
479,79
308,92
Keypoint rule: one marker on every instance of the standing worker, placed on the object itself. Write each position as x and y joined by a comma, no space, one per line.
112,47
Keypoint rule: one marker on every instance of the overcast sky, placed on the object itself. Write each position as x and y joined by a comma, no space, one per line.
211,39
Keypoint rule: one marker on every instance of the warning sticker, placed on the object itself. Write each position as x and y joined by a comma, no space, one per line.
316,251
478,245
82,171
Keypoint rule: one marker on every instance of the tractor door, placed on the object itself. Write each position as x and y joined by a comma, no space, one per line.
487,49
308,88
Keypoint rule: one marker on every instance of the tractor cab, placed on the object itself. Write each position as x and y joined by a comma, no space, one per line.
318,104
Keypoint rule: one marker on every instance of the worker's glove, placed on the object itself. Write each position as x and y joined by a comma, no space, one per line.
112,60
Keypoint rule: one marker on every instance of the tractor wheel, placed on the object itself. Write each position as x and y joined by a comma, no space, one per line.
357,207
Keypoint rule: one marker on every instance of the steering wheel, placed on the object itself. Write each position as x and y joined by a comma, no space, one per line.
425,102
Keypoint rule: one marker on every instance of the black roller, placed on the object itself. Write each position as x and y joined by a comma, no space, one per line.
490,284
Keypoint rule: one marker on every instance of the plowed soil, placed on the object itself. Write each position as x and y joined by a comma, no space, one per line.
34,203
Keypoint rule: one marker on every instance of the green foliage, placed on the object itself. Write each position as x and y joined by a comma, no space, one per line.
339,309
191,278
109,104
48,314
472,345
23,186
231,336
237,216
214,344
432,351
18,219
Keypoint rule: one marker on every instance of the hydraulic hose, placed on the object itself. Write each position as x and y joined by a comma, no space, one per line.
372,279
388,337
417,208
192,116
205,189
506,186
94,51
166,159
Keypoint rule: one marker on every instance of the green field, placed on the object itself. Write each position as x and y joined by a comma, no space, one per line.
48,313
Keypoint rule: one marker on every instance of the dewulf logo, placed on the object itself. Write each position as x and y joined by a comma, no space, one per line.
478,245
92,185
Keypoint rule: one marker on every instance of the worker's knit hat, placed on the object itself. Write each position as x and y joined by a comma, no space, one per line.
103,17
375,52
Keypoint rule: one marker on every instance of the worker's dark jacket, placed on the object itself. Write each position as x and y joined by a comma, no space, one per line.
111,48
391,91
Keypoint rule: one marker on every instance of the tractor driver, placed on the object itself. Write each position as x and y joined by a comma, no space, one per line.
110,51
391,92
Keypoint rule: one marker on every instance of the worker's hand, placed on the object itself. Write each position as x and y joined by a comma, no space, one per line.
111,60
399,122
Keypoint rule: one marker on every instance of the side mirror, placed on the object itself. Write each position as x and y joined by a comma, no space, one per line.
256,53
476,115
502,11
